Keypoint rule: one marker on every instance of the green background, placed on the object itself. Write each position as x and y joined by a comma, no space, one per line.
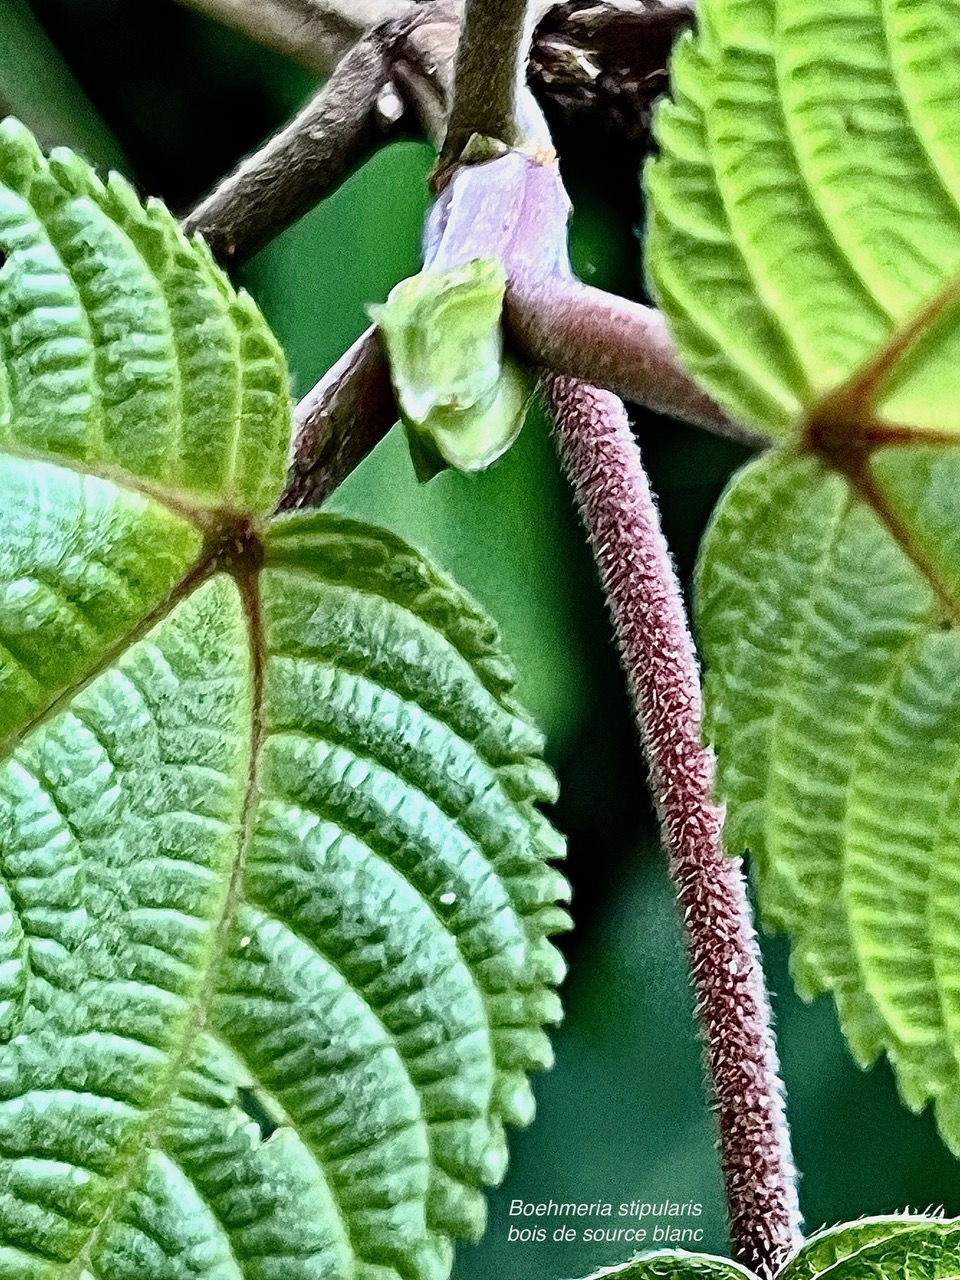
175,101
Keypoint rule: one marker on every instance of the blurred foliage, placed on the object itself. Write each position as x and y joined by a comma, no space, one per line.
36,85
623,1114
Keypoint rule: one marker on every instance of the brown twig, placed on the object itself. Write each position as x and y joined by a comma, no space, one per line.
338,130
604,62
489,75
603,463
314,33
425,48
346,414
597,60
408,64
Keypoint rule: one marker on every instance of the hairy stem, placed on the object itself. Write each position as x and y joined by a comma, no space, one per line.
490,74
571,328
337,131
621,518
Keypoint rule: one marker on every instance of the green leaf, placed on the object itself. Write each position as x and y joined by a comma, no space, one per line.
898,1247
897,1242
124,348
676,1264
275,892
826,313
773,237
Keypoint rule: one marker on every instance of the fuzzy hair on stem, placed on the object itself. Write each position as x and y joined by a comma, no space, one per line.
603,463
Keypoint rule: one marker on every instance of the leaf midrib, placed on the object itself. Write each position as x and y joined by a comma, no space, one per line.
233,542
217,556
248,587
211,523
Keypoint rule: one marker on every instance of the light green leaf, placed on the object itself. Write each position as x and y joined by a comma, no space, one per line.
855,1247
773,234
903,1249
462,402
676,1264
826,313
275,893
892,1248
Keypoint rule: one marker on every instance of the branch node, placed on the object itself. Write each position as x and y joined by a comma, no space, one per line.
490,77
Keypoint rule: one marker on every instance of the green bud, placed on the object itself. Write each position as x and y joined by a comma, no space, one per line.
461,400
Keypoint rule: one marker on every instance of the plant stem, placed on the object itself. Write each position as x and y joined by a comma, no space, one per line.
564,324
489,75
598,59
346,414
407,66
574,329
603,463
336,131
314,33
606,61
515,208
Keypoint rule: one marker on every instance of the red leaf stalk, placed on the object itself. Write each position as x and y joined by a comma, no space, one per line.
618,509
